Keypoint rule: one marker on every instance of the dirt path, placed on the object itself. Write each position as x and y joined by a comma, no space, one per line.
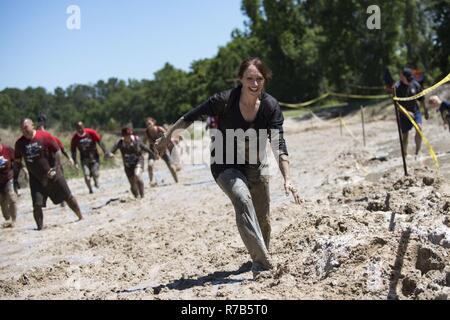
365,231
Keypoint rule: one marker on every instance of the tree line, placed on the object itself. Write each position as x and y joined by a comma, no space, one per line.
310,45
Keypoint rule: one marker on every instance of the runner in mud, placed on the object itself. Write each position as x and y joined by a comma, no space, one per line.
7,195
131,148
42,158
245,107
42,120
408,87
86,140
444,109
152,133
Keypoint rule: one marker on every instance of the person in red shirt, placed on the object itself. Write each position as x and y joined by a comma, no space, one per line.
42,119
42,158
7,195
86,140
152,133
41,126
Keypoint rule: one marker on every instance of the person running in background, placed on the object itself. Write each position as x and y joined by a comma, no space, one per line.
42,158
86,140
131,148
7,195
152,133
408,87
443,107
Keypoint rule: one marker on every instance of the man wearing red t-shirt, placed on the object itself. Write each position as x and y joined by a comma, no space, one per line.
7,195
41,126
42,158
86,140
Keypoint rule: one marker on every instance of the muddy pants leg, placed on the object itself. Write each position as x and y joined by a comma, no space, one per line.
95,172
73,205
87,176
11,200
234,184
38,216
259,190
4,206
170,166
138,177
151,164
129,172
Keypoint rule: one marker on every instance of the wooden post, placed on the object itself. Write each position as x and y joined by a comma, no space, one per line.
363,128
397,115
340,122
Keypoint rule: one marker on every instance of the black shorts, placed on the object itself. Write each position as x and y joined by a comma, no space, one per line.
57,190
134,170
406,124
166,157
91,167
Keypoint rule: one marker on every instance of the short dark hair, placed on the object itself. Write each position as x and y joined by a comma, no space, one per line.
408,73
151,119
127,131
42,118
259,64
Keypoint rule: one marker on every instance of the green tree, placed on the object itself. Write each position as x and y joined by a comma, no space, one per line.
439,16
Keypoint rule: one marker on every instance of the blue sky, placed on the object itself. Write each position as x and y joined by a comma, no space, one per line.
118,38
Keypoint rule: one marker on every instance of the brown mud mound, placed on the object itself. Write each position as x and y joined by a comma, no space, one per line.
384,240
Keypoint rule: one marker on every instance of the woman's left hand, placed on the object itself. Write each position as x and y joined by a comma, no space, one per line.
289,187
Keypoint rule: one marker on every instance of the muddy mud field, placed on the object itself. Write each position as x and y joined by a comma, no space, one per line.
365,231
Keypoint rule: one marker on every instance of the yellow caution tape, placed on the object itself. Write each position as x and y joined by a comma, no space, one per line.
426,91
425,140
366,87
334,94
356,96
304,104
369,97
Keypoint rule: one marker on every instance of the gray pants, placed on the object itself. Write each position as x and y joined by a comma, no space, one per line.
249,194
8,201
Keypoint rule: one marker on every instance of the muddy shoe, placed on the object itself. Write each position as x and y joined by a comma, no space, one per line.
261,272
8,224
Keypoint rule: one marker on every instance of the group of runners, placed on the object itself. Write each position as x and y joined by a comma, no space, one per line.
41,152
246,183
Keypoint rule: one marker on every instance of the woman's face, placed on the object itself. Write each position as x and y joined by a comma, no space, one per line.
252,81
127,139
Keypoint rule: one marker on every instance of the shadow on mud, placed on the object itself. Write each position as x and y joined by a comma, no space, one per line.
398,265
215,278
